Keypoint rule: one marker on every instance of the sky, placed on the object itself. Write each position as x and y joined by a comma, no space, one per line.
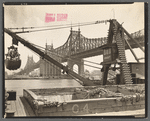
15,16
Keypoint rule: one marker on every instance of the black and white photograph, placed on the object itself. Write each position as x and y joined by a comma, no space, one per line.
74,60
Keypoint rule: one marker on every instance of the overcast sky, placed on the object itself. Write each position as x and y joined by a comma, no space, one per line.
34,16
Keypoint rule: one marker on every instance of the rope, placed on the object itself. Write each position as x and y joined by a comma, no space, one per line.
97,22
67,25
49,26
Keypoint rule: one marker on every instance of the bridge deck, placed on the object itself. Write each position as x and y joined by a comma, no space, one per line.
94,52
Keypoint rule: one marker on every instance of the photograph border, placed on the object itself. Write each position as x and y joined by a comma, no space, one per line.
78,3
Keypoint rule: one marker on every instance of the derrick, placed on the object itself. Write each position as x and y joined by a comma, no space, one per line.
65,69
114,53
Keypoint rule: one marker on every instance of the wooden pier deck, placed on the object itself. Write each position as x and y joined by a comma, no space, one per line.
20,107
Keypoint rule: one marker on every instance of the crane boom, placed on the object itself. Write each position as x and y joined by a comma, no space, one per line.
86,82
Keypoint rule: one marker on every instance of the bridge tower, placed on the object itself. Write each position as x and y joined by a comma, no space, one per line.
78,61
48,69
30,62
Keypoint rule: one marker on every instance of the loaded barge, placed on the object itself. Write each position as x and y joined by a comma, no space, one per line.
85,100
105,100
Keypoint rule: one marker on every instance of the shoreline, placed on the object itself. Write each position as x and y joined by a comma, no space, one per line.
35,78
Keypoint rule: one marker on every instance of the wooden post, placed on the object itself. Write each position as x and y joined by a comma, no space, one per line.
10,113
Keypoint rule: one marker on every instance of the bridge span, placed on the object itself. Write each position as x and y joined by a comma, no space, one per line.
78,47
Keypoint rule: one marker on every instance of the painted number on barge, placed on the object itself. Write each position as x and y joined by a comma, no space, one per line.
75,108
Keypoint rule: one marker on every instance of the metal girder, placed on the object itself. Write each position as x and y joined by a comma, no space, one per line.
79,45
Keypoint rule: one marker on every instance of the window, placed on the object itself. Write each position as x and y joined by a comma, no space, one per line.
107,51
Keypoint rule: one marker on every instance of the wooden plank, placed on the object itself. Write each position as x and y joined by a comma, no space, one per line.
25,108
19,108
8,105
28,109
22,106
13,105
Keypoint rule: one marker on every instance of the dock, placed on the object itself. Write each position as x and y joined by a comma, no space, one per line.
20,107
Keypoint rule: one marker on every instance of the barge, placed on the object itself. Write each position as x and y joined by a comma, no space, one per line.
79,101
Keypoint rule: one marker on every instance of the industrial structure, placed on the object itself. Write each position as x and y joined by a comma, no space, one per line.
76,48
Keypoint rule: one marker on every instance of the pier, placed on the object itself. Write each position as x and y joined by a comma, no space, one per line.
19,107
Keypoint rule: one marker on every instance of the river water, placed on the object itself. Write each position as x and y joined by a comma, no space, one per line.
19,85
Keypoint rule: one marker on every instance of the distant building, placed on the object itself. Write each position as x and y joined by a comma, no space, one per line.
35,73
96,75
112,74
138,69
87,74
48,69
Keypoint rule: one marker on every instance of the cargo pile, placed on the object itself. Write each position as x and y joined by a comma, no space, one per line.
105,93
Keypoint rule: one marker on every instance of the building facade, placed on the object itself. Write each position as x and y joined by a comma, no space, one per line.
48,69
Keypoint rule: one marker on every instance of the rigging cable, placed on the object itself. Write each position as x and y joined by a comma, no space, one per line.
97,22
51,26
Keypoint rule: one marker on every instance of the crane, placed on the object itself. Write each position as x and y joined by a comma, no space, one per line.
16,38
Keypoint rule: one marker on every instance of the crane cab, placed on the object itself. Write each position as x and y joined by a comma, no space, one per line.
110,53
